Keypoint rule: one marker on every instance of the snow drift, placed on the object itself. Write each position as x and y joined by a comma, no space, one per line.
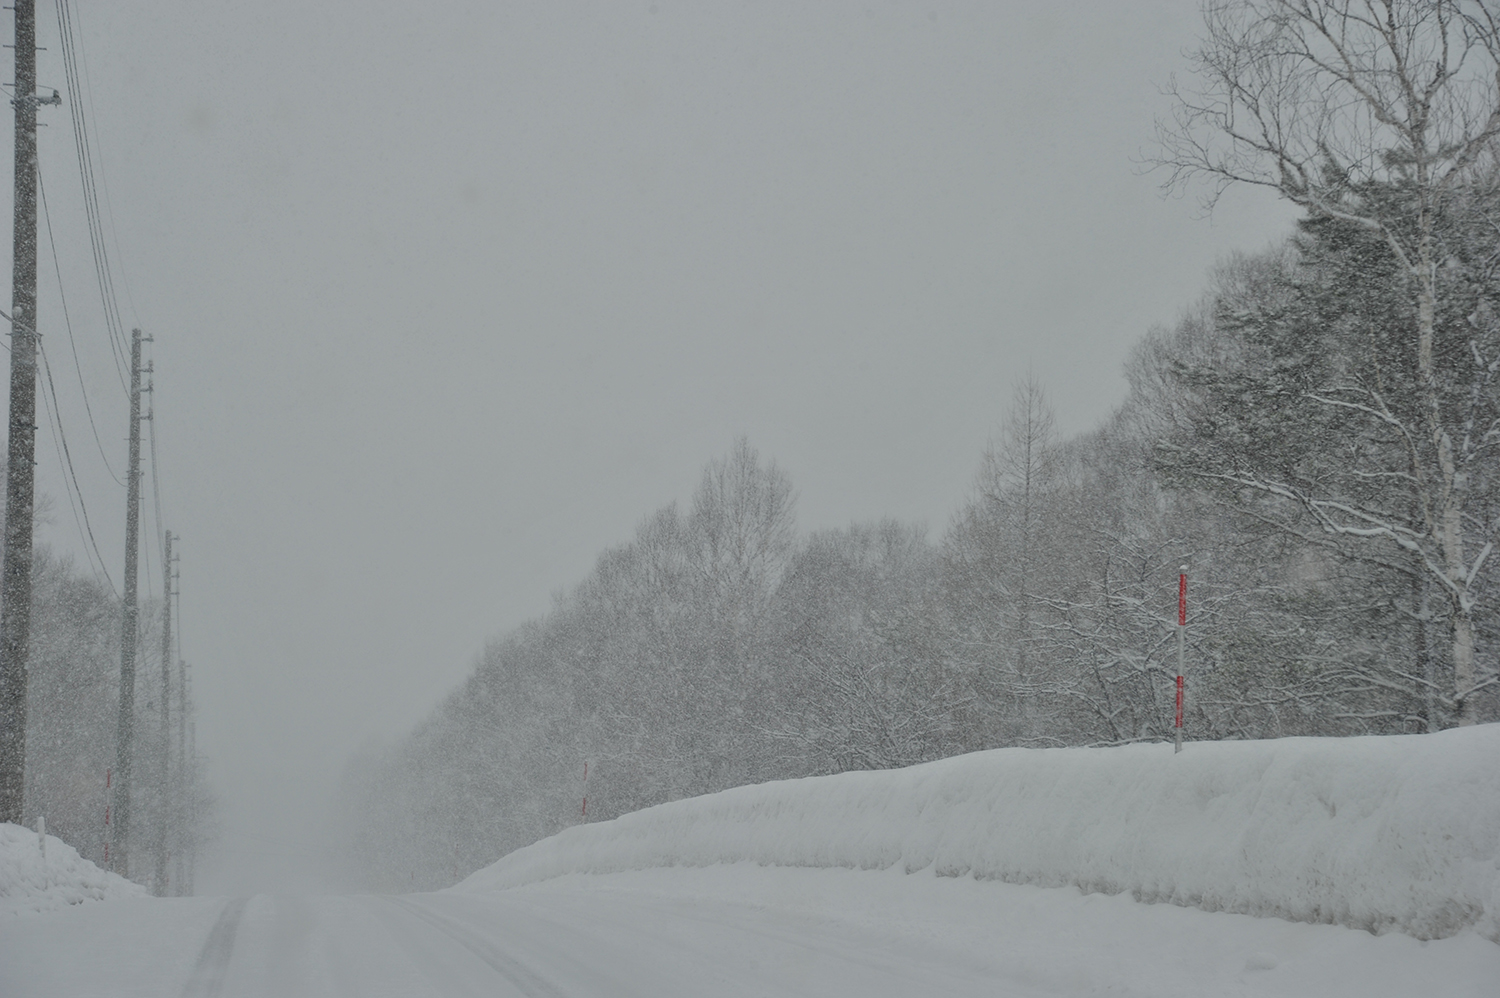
1381,833
30,883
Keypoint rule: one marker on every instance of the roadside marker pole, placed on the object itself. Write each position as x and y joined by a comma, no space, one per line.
584,814
107,774
1181,649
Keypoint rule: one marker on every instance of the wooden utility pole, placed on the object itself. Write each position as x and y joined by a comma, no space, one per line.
192,809
20,478
164,786
126,730
185,769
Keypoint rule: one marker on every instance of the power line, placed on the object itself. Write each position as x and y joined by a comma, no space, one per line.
72,502
72,342
75,70
66,30
86,174
92,178
67,455
79,59
109,210
55,413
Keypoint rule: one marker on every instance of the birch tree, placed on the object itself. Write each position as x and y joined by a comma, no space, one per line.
1381,115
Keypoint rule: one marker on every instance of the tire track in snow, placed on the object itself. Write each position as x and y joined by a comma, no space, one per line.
520,977
207,979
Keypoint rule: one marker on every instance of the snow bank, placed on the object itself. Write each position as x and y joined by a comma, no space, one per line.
30,884
1394,833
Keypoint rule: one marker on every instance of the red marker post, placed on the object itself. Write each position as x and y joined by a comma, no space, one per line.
1181,649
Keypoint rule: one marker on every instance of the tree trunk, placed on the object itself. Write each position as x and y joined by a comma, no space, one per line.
1449,521
1463,665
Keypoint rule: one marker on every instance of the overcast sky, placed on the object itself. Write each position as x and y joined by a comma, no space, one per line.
447,296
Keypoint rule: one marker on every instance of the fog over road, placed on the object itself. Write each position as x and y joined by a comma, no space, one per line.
729,930
549,946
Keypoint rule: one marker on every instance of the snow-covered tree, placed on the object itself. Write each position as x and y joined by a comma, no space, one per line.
1380,118
864,682
1000,555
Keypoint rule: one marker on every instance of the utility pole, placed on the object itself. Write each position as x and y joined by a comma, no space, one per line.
20,474
192,817
164,787
185,770
126,731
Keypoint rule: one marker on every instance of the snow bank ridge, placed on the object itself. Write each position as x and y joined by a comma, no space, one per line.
1380,833
30,884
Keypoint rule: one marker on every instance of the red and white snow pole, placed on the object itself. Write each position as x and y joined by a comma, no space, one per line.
1181,649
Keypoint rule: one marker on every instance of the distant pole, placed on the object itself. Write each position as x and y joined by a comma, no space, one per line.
1181,649
164,785
20,473
184,778
584,814
107,830
126,729
192,821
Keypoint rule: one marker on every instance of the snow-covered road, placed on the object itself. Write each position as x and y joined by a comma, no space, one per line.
729,930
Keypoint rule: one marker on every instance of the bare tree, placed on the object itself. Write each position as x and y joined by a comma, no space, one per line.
866,687
744,522
999,555
1383,115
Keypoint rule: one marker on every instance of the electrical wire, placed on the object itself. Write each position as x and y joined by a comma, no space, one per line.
92,178
60,439
88,94
87,176
51,407
67,456
72,342
81,73
69,37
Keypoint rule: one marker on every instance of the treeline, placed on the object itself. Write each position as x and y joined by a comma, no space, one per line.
73,697
1276,441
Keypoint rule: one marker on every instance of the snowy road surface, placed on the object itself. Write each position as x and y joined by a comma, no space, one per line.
731,930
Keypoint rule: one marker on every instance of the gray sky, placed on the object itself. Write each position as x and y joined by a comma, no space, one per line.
447,296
